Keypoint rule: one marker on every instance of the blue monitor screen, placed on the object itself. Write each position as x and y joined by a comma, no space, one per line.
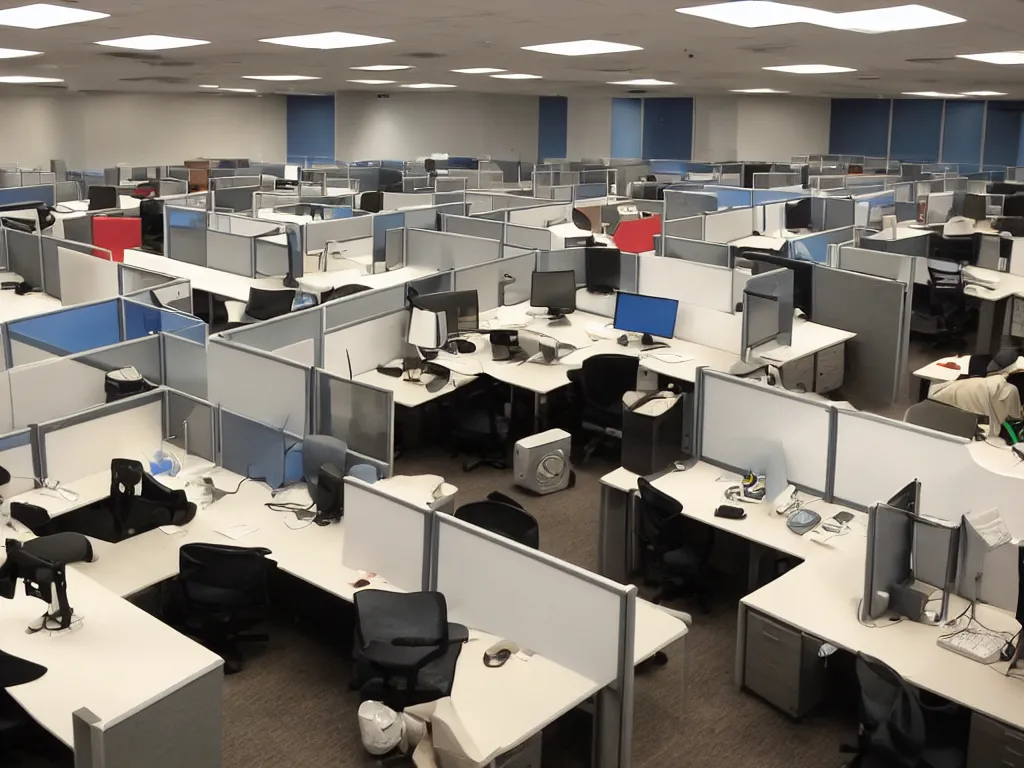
645,314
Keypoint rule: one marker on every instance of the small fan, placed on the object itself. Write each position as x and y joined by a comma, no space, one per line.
541,462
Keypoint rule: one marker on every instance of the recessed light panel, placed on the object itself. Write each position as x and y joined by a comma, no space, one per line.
28,80
517,76
934,94
983,93
428,85
44,16
642,81
328,41
999,57
279,78
756,90
383,67
152,43
371,82
209,86
582,48
763,13
15,53
479,71
240,90
897,19
810,69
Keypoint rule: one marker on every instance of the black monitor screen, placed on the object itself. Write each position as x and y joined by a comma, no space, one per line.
604,266
101,198
798,214
975,207
461,309
554,290
803,275
907,498
151,215
1013,205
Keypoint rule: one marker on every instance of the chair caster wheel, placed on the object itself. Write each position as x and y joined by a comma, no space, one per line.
660,659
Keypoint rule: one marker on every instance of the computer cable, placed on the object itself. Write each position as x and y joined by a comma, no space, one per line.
893,620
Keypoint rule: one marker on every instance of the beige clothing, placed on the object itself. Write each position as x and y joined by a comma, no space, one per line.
992,397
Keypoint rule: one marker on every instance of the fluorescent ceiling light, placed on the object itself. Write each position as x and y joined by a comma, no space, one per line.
810,69
328,41
209,86
934,94
429,85
756,90
240,90
371,82
479,71
43,16
152,42
999,57
517,76
28,80
642,81
279,78
983,93
763,13
383,67
582,48
14,53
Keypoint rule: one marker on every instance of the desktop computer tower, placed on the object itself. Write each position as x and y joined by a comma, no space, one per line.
650,443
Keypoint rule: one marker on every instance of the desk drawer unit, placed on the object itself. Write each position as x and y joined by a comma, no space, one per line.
782,665
993,745
830,369
798,375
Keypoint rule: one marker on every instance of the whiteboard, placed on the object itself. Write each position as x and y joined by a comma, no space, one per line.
383,536
875,457
85,278
266,389
571,616
735,409
688,282
369,344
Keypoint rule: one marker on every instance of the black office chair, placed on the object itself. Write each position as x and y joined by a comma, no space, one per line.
600,383
894,730
209,308
478,424
943,418
580,220
341,292
675,550
504,516
263,305
224,593
405,650
946,316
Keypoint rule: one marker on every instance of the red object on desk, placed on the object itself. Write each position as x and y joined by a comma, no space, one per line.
637,236
951,365
115,233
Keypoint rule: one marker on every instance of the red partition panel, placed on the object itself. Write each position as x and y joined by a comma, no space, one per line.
115,233
637,236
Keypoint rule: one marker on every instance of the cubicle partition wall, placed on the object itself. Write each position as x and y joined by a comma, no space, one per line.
576,260
319,233
690,228
680,204
492,286
37,193
728,225
360,414
816,246
442,251
541,215
700,251
185,234
271,453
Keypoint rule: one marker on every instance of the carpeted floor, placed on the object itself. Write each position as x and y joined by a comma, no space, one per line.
290,705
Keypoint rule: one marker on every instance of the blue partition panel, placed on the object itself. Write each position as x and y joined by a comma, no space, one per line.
143,320
811,248
762,196
859,127
961,135
552,128
732,197
668,128
681,167
72,330
42,193
627,118
916,126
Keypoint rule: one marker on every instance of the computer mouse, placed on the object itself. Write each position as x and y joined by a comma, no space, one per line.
464,347
623,340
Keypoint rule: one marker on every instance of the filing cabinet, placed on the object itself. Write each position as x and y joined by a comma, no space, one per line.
993,744
782,665
798,375
830,368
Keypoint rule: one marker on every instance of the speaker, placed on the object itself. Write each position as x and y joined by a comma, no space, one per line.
540,462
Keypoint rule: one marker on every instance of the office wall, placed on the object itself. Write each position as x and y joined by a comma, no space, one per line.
310,129
104,129
714,127
31,130
409,125
777,128
589,129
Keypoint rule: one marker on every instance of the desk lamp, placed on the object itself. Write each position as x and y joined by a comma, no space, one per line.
40,565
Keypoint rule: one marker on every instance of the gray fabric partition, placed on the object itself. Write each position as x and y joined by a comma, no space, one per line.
692,228
909,246
185,365
716,254
521,269
51,267
533,238
817,213
359,414
394,248
194,418
363,305
186,244
24,256
681,205
144,354
839,212
465,225
570,258
283,331
873,357
442,250
3,248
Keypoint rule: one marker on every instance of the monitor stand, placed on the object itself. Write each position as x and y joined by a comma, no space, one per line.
601,290
648,343
557,316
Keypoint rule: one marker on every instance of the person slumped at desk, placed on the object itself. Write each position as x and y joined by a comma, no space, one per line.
992,388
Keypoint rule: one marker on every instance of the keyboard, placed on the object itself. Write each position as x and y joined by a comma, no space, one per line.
975,643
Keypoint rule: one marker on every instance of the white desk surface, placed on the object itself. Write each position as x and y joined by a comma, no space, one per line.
15,307
411,394
214,281
808,339
654,629
934,372
1007,284
761,241
90,489
117,662
315,282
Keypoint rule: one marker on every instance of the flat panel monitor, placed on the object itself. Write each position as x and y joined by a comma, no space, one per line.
1013,205
798,214
648,315
760,318
102,198
296,256
976,207
907,498
803,275
461,309
603,269
555,291
890,548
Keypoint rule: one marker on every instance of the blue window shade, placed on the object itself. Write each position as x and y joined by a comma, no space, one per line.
627,117
916,125
1002,132
961,135
859,127
310,128
668,129
553,127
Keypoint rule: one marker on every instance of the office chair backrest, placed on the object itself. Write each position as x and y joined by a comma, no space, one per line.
264,304
342,291
410,619
604,379
942,418
125,476
890,713
224,576
497,515
580,220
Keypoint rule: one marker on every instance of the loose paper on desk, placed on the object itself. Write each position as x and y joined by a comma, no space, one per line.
990,526
236,532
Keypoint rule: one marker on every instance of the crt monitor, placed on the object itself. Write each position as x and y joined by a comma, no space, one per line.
555,291
648,315
102,198
798,214
461,309
603,267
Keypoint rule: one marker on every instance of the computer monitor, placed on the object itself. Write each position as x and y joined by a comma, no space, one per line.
102,198
803,275
461,309
151,215
648,315
958,248
296,256
907,498
798,214
1013,205
427,329
760,319
890,547
976,207
604,269
556,291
